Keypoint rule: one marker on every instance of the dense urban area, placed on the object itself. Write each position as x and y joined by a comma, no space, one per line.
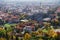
29,21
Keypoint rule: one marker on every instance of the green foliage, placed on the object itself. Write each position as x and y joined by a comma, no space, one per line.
8,26
13,25
2,32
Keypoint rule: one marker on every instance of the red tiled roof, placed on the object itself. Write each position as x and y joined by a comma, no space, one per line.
58,9
14,17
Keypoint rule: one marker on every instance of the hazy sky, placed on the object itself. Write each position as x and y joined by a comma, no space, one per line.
36,0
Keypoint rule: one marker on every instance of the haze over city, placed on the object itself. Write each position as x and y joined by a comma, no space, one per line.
32,0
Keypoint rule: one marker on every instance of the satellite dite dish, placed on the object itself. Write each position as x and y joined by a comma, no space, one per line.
46,19
24,20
